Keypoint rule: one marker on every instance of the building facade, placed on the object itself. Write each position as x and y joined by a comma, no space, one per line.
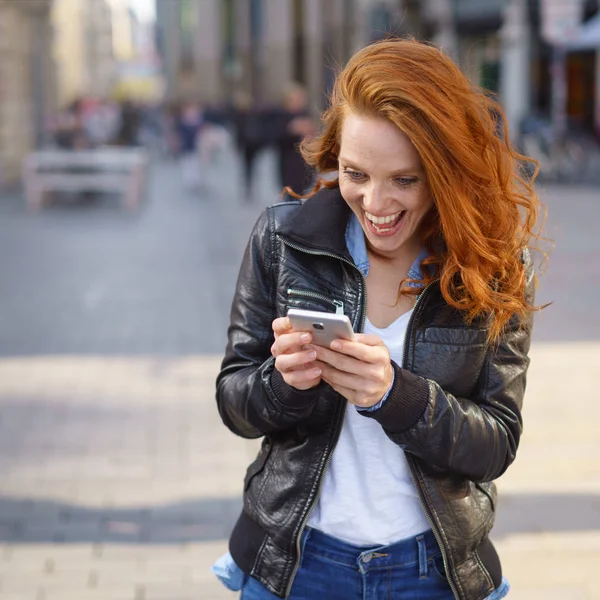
83,48
27,91
500,44
123,26
211,49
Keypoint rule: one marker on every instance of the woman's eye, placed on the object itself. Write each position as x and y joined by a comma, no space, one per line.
405,181
354,175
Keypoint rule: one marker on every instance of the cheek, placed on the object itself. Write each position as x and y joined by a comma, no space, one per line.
422,203
348,191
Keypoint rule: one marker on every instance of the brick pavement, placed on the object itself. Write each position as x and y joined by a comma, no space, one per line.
118,480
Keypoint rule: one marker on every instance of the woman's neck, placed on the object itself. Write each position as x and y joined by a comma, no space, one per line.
400,262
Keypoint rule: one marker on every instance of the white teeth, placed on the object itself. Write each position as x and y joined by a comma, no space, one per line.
382,220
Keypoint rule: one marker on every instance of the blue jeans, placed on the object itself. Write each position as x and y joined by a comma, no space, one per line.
411,569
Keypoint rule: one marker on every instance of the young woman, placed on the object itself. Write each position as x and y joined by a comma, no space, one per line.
374,479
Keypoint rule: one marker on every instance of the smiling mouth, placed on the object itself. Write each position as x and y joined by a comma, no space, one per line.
385,225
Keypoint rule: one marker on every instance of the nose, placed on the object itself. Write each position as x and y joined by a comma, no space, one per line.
375,199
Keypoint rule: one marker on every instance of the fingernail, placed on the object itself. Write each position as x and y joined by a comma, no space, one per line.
312,355
305,337
336,346
316,372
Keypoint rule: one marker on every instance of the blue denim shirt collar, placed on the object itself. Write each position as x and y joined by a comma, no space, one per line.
355,240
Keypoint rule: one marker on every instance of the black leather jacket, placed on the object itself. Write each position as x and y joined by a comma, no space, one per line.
455,406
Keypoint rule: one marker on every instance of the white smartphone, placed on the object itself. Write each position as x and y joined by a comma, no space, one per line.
325,327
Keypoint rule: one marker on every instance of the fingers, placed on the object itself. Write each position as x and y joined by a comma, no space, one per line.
358,384
290,342
281,326
303,379
289,362
361,371
369,339
298,370
367,348
343,362
356,358
293,359
359,392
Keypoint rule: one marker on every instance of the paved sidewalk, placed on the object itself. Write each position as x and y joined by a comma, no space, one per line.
119,481
548,526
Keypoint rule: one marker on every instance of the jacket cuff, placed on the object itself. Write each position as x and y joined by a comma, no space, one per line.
291,397
380,403
405,403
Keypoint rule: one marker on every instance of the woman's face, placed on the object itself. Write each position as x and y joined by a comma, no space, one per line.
383,181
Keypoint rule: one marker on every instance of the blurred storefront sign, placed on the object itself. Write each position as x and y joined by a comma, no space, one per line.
561,20
588,36
139,81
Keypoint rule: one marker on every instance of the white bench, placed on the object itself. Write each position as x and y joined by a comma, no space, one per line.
106,169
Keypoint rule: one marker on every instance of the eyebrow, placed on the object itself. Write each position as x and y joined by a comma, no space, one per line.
409,169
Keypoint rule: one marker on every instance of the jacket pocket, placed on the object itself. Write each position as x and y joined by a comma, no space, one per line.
452,357
455,336
259,463
309,300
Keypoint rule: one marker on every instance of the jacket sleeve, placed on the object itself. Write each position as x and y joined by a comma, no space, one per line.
477,437
252,397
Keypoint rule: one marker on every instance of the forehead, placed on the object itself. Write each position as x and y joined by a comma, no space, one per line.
376,141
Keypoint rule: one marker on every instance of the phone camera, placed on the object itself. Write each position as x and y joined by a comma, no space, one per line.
318,326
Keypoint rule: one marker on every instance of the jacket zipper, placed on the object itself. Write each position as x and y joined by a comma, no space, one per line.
412,467
338,432
363,283
329,449
339,305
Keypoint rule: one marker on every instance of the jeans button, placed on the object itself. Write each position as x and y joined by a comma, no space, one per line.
367,557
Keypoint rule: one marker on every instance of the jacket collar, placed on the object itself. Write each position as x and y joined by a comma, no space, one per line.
325,222
320,223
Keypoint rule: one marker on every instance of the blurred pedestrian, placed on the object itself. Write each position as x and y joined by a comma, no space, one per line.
375,474
292,124
128,134
66,127
189,124
215,141
152,129
251,136
101,121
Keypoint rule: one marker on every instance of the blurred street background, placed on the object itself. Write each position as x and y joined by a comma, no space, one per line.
139,141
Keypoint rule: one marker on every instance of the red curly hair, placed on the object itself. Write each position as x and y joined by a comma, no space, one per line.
485,208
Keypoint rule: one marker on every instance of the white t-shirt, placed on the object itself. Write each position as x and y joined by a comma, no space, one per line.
368,497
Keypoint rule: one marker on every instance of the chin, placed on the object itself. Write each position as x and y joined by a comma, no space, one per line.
388,246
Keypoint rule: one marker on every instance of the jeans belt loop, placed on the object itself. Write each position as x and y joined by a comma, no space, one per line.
423,568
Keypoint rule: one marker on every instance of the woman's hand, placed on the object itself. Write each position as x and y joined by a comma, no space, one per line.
361,371
292,359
